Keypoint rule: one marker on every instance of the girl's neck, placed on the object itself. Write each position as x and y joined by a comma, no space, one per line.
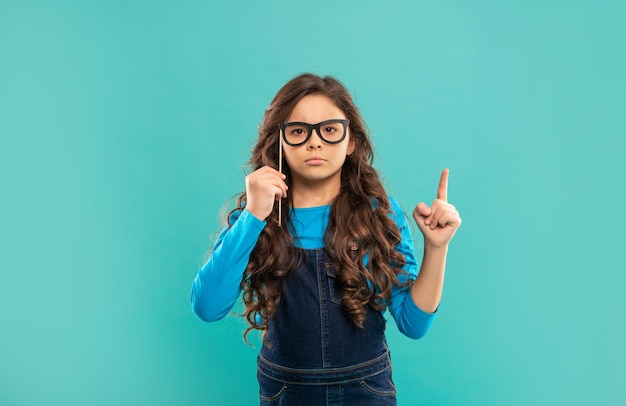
313,194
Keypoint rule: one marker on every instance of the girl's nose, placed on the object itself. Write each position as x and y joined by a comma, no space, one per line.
315,141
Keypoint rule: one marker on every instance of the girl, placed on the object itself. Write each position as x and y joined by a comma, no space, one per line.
320,251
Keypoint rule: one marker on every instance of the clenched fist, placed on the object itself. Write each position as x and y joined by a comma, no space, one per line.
263,187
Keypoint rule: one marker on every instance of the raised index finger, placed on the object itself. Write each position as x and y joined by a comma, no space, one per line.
442,191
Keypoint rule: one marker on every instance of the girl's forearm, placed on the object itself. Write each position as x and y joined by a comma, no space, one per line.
427,288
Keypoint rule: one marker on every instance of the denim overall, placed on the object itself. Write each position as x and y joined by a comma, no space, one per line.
313,354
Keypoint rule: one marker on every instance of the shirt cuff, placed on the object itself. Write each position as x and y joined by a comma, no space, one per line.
251,220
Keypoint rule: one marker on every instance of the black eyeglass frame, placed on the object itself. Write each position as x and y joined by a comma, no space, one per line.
316,127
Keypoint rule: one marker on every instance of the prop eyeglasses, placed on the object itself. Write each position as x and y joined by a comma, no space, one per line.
330,131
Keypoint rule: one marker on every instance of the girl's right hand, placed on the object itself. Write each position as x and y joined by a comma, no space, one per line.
263,187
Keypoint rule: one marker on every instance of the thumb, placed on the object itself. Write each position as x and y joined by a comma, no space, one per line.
421,210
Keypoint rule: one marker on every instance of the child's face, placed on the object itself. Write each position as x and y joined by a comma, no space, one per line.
316,160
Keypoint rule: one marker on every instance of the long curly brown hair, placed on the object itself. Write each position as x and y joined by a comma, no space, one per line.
359,213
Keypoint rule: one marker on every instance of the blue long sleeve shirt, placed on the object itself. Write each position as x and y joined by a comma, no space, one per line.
216,287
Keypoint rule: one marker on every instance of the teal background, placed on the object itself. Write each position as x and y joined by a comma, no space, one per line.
125,127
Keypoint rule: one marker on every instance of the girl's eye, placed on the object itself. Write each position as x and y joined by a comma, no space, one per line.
329,130
297,131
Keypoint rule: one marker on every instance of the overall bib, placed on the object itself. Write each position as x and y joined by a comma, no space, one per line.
313,354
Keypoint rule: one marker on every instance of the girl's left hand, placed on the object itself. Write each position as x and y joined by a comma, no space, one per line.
439,222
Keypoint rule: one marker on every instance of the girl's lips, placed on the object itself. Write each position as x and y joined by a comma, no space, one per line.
315,161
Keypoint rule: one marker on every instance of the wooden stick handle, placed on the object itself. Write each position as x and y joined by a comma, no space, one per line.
280,169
